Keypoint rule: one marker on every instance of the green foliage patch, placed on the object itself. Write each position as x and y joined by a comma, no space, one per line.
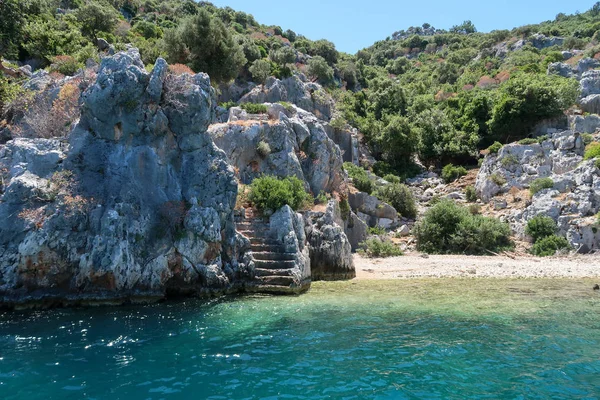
271,193
540,184
448,228
377,248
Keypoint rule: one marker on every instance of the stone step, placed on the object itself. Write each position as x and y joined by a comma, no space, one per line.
252,225
273,256
263,240
270,264
255,233
273,272
275,280
273,248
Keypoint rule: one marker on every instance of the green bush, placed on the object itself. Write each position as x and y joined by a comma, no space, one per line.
597,163
204,43
391,178
592,151
321,198
252,108
400,197
540,227
495,148
228,104
260,70
360,179
498,179
271,193
450,173
448,228
587,138
549,245
527,141
376,230
65,65
471,194
377,248
263,149
540,184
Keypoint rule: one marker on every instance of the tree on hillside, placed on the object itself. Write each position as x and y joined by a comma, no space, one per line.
260,70
319,69
464,28
96,18
205,44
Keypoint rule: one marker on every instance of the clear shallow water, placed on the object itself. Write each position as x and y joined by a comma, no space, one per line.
429,339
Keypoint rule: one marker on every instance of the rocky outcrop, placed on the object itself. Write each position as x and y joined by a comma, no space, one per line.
518,165
574,199
373,211
137,203
296,90
585,124
294,145
330,250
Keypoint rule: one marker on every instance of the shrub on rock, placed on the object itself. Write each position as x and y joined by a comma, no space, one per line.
400,197
450,172
360,178
252,108
271,193
448,228
540,184
540,227
592,151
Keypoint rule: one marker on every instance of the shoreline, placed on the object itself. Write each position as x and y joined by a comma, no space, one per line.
415,265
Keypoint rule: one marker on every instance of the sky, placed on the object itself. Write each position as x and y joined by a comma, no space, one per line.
355,24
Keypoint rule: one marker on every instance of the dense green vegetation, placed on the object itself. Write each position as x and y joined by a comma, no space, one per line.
543,231
540,227
448,228
271,193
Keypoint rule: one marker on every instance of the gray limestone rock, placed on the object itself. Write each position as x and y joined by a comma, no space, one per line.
137,203
329,248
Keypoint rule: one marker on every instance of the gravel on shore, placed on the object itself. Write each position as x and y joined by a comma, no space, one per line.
449,266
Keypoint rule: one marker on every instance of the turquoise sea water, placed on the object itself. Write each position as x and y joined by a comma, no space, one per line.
430,339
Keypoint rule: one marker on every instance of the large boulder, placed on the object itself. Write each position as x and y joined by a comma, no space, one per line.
330,250
373,211
136,204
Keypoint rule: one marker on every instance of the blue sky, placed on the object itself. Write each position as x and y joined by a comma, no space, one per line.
355,24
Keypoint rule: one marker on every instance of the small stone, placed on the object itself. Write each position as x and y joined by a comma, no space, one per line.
596,287
404,230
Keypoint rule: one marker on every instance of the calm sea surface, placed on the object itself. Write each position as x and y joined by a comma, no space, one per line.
417,339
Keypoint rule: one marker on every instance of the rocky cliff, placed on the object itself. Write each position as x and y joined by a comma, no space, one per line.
137,201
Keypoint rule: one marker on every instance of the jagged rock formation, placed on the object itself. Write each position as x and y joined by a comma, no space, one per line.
589,81
137,203
330,250
373,211
574,199
297,145
296,90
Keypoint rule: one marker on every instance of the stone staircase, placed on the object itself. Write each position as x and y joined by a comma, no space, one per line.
276,270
